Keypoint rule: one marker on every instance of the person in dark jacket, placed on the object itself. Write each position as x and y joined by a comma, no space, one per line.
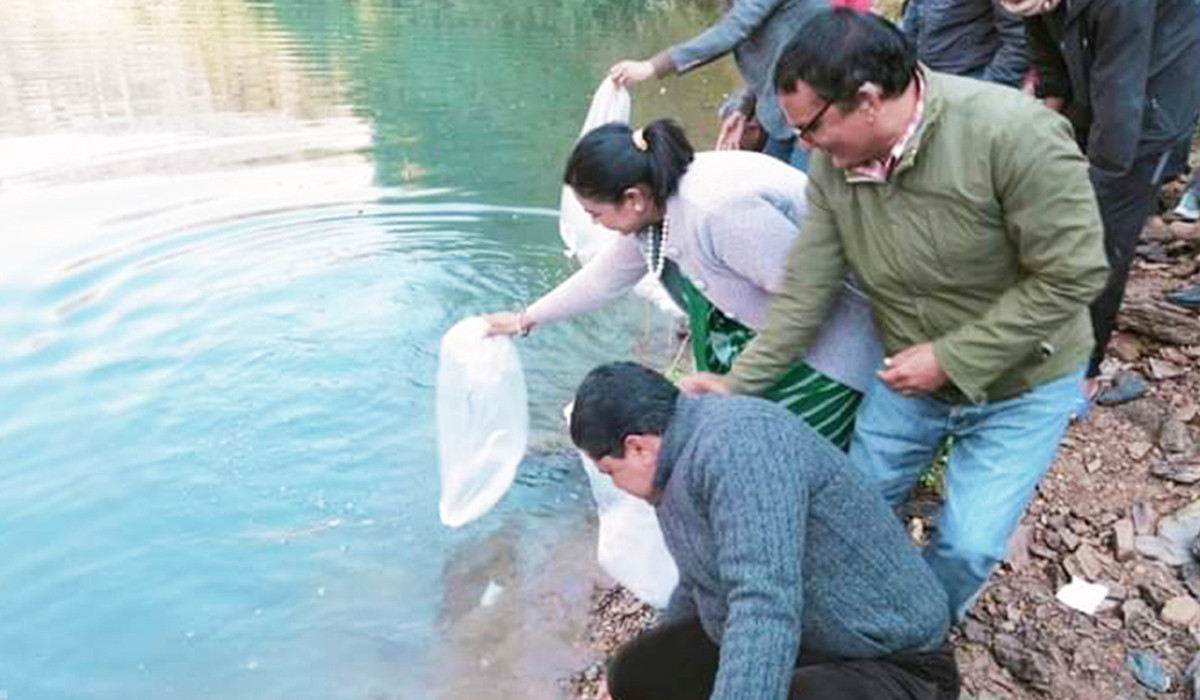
973,38
1127,75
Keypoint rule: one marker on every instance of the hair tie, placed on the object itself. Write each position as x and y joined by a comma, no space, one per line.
639,141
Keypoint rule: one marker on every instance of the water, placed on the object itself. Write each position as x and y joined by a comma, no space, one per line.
232,233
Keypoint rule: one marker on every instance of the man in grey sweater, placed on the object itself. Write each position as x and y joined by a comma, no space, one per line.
795,579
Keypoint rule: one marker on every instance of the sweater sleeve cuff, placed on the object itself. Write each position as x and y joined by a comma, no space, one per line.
663,65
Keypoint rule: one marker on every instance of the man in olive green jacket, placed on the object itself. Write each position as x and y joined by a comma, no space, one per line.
966,213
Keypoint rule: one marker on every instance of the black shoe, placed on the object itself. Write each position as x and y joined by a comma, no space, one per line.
1189,298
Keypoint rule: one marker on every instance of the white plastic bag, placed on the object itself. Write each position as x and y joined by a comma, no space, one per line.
630,547
585,238
482,417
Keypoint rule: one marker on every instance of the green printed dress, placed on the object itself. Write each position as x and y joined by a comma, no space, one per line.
824,403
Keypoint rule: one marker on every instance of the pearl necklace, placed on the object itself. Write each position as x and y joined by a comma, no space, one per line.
655,247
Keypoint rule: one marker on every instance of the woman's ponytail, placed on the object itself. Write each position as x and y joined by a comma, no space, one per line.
612,158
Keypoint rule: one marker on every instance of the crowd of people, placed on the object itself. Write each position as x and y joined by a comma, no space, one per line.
933,243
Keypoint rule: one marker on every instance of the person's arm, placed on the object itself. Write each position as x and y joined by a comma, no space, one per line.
1121,48
732,29
1010,63
1052,218
609,275
681,604
722,37
910,22
1053,82
757,502
816,266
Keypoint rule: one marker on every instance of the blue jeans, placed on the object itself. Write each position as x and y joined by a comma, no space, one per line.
1001,451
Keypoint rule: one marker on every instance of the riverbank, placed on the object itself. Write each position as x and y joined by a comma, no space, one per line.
1120,507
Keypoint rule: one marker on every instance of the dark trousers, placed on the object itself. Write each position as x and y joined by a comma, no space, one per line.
677,661
1125,203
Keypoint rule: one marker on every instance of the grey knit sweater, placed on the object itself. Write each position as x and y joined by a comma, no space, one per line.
782,546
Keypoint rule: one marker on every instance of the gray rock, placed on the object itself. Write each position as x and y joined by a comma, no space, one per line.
1126,386
1180,528
1148,414
1179,472
1023,663
1018,546
1158,548
1144,518
1148,669
1123,540
1175,437
1181,611
1191,679
1091,562
1041,552
1134,611
976,631
1191,577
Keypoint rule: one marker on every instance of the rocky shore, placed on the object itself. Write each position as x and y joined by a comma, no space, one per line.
1120,508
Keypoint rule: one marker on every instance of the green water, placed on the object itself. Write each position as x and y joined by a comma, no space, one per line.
232,233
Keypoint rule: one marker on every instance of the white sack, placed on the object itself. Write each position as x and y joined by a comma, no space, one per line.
583,237
630,547
482,417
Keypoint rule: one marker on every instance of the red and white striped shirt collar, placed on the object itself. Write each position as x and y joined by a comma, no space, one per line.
880,169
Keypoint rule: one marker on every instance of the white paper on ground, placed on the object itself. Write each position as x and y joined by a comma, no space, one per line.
1083,596
482,418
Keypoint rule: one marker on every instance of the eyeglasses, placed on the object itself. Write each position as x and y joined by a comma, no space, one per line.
805,131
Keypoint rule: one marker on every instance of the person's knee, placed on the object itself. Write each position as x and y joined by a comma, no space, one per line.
617,675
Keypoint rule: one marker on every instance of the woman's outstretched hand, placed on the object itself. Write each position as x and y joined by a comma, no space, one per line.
508,323
704,383
627,73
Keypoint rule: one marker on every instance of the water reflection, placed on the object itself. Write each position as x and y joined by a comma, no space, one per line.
232,233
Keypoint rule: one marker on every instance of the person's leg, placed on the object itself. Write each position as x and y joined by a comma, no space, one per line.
1125,202
1000,453
895,438
933,676
673,661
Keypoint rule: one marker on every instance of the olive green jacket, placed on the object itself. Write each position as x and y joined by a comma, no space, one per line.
985,241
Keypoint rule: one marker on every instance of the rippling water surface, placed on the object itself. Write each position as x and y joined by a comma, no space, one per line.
232,233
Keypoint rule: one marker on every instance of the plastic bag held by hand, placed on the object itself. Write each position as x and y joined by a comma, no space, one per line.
482,417
585,238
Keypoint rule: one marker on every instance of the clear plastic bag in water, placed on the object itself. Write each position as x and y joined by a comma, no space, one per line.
482,418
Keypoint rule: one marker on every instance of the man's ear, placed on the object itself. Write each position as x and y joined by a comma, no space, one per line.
642,446
870,96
